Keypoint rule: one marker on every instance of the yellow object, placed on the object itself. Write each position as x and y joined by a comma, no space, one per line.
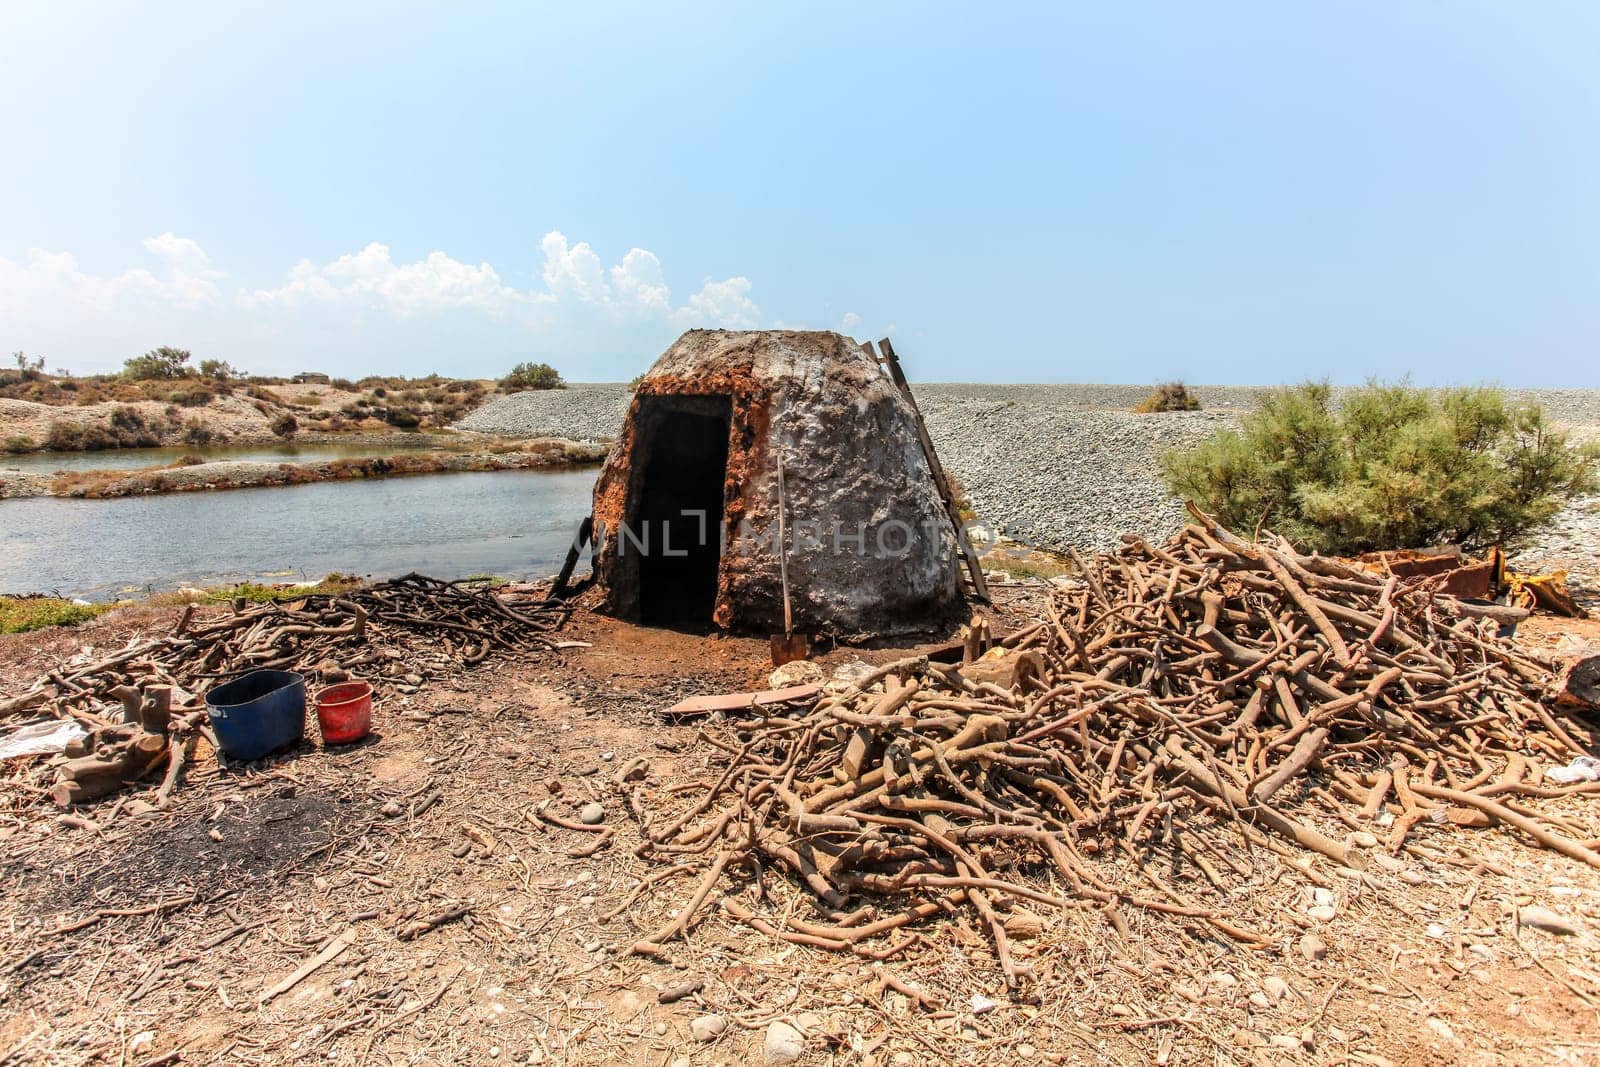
1542,592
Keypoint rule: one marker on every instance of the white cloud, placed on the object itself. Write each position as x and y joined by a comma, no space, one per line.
361,302
637,281
573,275
372,277
725,303
573,271
851,321
53,284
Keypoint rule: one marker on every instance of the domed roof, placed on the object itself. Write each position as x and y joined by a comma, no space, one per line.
870,546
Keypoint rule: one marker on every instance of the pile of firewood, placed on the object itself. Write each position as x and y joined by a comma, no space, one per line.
144,703
1199,698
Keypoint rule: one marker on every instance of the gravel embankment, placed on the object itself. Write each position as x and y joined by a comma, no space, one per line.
1061,477
1069,465
578,412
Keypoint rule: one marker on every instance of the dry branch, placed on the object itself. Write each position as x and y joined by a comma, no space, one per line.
1198,698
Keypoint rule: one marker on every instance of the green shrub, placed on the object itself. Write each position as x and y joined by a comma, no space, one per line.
19,614
532,376
1168,396
159,363
257,593
219,370
1394,467
285,426
16,445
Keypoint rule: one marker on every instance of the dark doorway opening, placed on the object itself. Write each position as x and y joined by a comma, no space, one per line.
678,507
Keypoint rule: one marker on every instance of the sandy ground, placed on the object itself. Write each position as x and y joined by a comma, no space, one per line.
129,936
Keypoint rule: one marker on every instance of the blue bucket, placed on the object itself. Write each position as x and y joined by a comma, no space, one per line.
258,713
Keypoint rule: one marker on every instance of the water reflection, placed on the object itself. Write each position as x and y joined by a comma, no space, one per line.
516,523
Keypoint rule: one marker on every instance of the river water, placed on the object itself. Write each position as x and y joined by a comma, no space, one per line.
129,458
512,523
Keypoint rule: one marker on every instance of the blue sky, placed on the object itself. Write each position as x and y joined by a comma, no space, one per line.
1222,192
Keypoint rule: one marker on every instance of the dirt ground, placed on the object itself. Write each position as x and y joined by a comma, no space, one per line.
458,927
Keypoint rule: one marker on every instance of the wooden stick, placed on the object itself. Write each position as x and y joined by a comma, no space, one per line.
330,952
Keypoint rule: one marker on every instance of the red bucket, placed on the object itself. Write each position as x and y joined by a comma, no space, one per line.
345,712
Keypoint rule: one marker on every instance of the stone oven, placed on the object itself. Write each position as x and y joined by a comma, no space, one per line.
686,507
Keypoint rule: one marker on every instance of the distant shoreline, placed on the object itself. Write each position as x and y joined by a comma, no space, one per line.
220,475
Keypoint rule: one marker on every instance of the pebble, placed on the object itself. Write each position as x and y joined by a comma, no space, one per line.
391,809
1323,913
1020,450
708,1027
1312,947
1275,987
798,672
1546,920
982,1005
784,1044
593,813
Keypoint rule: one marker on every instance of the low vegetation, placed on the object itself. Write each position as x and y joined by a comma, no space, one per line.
1391,467
1169,396
525,376
164,363
310,401
19,614
1035,564
28,370
126,427
257,593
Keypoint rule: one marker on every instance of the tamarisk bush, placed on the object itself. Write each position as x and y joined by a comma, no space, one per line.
1392,466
